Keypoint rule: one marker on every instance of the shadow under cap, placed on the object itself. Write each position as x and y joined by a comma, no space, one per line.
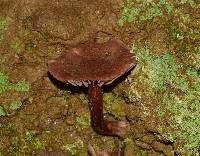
99,62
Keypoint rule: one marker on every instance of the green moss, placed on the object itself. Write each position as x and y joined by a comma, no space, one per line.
15,105
178,93
195,76
161,71
3,78
192,3
113,105
148,11
1,38
5,85
169,7
151,13
20,142
2,112
15,44
172,77
3,82
133,94
30,100
185,119
74,148
29,47
83,98
31,136
176,32
3,24
144,10
129,14
83,121
159,111
180,96
21,86
6,129
142,152
66,94
197,55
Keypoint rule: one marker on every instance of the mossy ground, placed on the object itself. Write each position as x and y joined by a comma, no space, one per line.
159,99
169,71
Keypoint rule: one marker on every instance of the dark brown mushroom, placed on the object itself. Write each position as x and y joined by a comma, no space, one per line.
93,65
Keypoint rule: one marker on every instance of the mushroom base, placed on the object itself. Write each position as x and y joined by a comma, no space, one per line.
101,126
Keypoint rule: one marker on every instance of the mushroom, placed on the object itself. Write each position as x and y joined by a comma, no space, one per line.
94,65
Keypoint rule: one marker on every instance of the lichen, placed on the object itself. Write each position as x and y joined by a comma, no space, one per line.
6,85
144,10
162,75
169,79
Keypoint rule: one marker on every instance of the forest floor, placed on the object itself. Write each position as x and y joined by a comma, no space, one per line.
159,99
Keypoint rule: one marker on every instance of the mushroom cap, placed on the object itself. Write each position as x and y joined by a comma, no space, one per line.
100,62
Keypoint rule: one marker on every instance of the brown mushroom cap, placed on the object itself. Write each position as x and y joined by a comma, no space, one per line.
101,62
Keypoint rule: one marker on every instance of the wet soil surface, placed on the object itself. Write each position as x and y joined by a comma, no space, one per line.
54,118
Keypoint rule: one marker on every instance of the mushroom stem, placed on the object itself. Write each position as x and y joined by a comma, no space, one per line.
101,126
95,94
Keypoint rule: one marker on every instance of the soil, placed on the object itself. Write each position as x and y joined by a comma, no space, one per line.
48,121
